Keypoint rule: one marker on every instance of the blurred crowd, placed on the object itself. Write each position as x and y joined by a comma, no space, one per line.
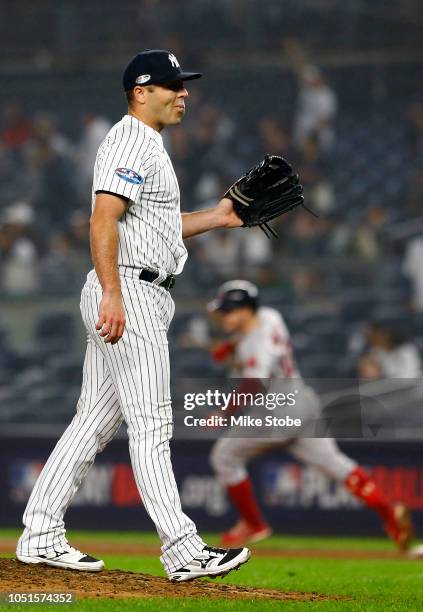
46,183
51,33
44,212
45,194
348,281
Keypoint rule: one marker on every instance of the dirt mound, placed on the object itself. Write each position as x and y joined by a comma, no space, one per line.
114,584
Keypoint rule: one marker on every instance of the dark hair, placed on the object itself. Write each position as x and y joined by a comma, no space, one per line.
129,95
391,330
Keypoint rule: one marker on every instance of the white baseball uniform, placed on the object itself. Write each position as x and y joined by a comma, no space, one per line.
266,352
403,361
128,380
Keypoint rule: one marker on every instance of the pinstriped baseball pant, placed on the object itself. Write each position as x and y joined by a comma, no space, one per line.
125,381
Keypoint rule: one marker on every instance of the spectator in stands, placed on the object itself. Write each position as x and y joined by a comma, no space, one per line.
51,170
339,234
45,130
313,169
196,333
218,256
414,117
12,183
307,236
369,240
16,128
256,256
366,240
79,238
317,102
68,259
181,148
412,268
212,134
368,368
95,128
57,274
414,197
391,354
206,189
273,138
207,132
20,249
306,282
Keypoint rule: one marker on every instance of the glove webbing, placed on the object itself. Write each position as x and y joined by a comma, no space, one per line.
266,226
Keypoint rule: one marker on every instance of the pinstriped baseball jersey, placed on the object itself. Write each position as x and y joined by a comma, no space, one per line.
129,380
132,162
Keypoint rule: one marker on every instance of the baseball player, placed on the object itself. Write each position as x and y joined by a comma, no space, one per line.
137,247
260,348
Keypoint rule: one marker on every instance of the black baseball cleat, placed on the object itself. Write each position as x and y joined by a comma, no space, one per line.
69,559
211,562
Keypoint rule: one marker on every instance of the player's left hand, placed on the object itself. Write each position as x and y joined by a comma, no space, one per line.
267,191
227,216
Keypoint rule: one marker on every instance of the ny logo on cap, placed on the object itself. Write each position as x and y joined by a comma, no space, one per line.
173,60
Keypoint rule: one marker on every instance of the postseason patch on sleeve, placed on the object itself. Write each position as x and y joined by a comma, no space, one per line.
130,176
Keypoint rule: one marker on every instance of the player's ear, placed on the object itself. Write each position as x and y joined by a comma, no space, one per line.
139,94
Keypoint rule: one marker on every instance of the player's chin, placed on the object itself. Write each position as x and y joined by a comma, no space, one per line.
178,116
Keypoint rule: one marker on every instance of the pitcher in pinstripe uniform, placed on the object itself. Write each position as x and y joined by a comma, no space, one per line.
137,233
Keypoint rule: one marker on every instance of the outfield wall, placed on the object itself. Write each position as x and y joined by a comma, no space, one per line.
294,498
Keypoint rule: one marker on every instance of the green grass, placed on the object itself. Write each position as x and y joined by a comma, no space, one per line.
370,585
283,541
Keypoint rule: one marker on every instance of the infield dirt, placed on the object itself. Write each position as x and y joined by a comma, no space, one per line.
114,584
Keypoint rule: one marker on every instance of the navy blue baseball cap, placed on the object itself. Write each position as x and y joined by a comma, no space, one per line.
233,295
155,67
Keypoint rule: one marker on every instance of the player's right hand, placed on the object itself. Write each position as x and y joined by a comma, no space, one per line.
111,318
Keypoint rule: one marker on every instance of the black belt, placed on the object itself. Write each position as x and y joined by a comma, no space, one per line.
150,277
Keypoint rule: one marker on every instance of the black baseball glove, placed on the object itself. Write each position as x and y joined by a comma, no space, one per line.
268,190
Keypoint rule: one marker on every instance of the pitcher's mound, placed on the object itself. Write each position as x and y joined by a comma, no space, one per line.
114,584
